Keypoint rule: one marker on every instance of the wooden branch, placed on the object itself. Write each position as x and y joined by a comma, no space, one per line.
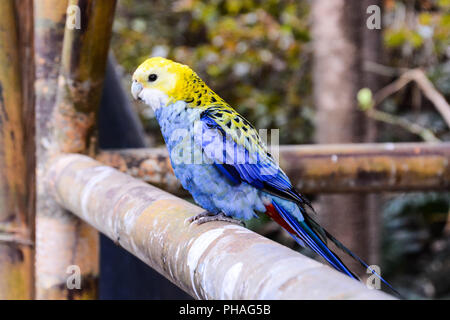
425,133
432,94
419,77
382,70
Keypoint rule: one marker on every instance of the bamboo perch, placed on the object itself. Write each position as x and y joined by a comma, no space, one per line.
320,168
16,245
215,260
368,167
66,123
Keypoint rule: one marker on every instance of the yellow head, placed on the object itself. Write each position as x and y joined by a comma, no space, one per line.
159,81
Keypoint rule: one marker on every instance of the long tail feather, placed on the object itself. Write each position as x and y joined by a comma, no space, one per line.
307,236
354,256
310,234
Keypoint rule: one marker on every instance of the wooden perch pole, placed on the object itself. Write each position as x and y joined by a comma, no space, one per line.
370,167
215,260
16,243
69,88
319,168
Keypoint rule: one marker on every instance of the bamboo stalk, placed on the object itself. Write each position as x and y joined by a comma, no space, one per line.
216,260
16,251
69,89
49,19
80,84
24,12
319,168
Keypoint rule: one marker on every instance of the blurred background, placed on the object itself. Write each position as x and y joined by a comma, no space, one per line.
299,66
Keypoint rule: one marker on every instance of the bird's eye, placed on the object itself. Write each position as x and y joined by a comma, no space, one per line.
152,77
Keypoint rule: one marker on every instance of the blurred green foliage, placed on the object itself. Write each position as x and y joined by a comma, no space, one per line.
417,32
416,244
416,235
417,35
253,53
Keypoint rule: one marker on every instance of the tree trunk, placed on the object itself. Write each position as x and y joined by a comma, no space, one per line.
339,30
372,52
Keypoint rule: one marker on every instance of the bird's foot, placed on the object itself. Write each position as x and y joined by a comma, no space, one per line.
216,217
206,216
198,216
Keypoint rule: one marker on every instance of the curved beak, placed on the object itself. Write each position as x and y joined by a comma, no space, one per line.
136,89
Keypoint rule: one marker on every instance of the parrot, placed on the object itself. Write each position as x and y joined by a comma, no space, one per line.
220,159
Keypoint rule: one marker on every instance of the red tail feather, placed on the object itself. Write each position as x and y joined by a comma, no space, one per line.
273,213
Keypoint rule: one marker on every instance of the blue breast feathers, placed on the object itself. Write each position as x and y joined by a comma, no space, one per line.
197,170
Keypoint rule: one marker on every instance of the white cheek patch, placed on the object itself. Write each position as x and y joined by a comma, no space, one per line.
154,98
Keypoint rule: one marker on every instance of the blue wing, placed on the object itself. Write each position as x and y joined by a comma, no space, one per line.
239,162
